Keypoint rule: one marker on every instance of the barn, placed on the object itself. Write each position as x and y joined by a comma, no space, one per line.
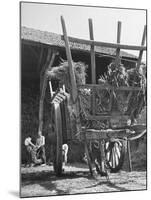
35,45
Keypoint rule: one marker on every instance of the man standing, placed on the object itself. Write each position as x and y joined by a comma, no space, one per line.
65,154
40,145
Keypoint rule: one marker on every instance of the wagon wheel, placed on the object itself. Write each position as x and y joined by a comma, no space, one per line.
115,152
56,129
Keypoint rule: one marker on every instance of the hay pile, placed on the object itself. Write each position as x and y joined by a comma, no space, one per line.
61,73
118,76
130,102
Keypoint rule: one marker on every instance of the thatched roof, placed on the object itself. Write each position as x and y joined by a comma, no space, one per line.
53,39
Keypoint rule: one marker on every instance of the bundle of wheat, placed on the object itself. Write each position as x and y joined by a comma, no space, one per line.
61,73
132,101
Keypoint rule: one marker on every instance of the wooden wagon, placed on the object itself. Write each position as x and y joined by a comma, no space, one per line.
113,140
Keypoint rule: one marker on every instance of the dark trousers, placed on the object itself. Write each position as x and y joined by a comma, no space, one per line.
41,154
32,158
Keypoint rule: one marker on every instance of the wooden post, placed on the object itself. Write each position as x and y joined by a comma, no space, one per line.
40,59
118,41
47,67
43,70
74,92
101,147
87,154
93,65
129,156
142,44
140,53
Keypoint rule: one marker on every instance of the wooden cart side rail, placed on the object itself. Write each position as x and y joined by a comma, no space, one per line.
93,134
109,87
138,136
128,134
106,44
102,117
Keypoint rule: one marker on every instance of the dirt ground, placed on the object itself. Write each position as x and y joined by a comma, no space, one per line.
76,179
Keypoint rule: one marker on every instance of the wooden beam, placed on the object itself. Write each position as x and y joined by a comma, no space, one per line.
105,44
32,43
117,60
74,93
87,42
109,87
93,134
142,44
49,54
93,65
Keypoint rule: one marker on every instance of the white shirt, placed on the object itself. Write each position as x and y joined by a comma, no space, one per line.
27,141
65,148
40,141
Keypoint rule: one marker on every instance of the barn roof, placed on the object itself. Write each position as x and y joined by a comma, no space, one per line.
53,39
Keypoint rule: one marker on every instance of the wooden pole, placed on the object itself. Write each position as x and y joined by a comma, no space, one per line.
129,156
106,44
74,92
87,154
142,44
117,60
42,72
93,65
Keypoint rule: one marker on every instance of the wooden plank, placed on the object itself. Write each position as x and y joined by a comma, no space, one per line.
142,44
109,87
106,44
71,67
87,42
104,116
117,60
98,117
92,134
